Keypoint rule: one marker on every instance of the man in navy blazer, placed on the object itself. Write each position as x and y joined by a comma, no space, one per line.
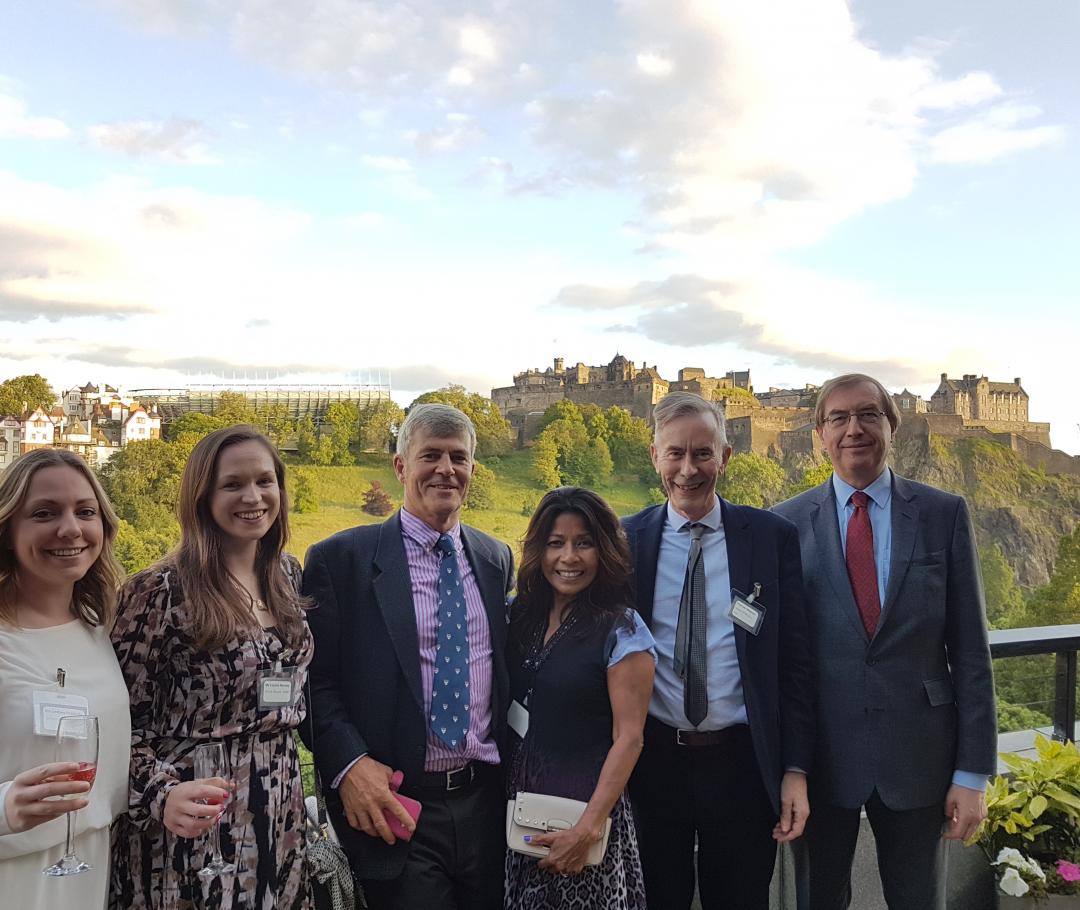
730,732
906,720
379,629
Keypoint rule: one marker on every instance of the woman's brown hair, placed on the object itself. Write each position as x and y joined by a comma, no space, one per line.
610,594
219,603
94,598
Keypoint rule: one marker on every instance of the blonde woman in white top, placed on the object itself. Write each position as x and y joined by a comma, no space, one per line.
58,584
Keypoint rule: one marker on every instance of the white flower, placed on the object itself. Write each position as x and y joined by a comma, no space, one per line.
1012,883
1034,868
1010,856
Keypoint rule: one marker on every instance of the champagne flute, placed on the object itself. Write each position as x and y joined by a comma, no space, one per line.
76,741
211,760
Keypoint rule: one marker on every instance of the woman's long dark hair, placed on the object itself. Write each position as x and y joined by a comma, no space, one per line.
608,596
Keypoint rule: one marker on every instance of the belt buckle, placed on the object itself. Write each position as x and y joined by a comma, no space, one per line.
679,739
450,785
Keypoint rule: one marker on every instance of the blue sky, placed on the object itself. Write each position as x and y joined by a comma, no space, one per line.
454,191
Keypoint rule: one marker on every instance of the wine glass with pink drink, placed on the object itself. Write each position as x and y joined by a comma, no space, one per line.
76,741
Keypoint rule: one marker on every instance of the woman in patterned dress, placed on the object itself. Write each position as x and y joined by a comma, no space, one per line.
581,663
195,635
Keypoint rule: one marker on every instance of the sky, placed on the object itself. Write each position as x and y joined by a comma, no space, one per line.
435,191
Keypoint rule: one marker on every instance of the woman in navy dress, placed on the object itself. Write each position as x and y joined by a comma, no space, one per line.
581,664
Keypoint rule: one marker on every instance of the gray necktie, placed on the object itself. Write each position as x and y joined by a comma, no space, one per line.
690,632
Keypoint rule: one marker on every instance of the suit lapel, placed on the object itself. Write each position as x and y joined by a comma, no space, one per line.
834,566
393,591
905,525
646,553
490,579
740,553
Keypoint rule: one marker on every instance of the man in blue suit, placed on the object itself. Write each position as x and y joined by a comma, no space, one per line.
906,721
730,732
410,675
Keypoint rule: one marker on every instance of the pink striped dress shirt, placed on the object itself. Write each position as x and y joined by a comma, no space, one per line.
424,559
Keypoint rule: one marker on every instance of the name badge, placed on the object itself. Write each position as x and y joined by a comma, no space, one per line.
277,688
52,704
518,718
745,613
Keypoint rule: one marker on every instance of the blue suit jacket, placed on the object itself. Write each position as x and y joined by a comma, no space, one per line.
365,675
898,713
775,663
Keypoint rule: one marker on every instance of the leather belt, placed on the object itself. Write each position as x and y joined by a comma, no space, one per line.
454,779
697,738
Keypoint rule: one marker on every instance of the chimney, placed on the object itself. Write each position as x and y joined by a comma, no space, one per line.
1017,380
944,377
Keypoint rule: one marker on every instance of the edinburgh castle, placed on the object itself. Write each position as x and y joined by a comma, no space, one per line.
779,423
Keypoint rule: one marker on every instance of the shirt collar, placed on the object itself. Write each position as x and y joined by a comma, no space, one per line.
880,491
714,520
425,535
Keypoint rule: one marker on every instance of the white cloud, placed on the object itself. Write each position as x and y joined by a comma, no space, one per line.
177,140
460,76
386,163
15,121
991,135
477,42
654,64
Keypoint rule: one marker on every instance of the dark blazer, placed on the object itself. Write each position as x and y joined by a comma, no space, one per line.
900,712
365,676
775,663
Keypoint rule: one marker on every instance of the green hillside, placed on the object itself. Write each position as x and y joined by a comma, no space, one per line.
340,491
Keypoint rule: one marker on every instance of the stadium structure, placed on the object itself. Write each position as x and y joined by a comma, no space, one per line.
292,401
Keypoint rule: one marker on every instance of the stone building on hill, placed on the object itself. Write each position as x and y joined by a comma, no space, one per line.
999,407
619,382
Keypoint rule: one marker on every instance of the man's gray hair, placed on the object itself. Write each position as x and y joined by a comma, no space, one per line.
439,420
846,381
687,404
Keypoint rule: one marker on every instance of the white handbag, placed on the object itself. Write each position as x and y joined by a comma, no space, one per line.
536,813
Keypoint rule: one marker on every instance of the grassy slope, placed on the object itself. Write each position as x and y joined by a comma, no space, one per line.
341,492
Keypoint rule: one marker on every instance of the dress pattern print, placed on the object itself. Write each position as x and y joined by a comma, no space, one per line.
181,696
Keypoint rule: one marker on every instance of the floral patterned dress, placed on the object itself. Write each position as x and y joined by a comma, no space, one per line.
182,696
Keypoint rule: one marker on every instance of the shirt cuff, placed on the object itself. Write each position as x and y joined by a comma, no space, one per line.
335,783
970,780
5,828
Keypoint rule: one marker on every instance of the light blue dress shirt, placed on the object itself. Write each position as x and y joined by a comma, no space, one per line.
880,508
724,679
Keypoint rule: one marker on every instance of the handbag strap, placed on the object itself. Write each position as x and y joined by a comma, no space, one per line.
320,800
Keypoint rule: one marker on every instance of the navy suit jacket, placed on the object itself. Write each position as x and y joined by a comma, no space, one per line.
900,712
365,675
775,664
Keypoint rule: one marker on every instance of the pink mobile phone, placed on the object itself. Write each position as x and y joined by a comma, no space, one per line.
410,805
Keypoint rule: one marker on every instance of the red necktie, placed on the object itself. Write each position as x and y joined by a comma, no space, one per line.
860,563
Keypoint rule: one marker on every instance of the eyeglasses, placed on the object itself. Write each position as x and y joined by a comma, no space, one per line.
865,419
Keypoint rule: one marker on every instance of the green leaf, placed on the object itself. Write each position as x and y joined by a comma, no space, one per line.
1037,806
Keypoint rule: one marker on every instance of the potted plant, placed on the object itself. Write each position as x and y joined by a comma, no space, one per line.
1031,834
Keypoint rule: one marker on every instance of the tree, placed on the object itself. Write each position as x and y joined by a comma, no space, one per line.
305,438
142,480
1004,602
377,501
136,548
493,431
194,423
342,425
481,489
304,499
233,408
1058,601
276,423
813,476
736,396
588,465
628,441
25,393
545,463
752,480
378,424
